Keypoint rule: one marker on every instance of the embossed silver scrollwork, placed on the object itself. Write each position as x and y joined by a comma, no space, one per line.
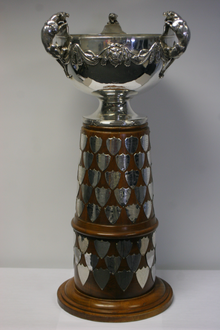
116,54
57,26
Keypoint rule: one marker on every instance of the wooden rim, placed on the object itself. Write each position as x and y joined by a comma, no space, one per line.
73,301
115,128
123,231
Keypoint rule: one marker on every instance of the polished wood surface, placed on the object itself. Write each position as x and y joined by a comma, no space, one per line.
114,224
130,286
157,300
124,227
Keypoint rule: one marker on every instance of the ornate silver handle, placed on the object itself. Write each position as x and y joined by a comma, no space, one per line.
57,26
176,24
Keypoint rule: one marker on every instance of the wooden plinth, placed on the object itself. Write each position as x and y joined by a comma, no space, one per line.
73,301
114,230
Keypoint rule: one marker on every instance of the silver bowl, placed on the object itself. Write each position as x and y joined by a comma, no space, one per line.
114,65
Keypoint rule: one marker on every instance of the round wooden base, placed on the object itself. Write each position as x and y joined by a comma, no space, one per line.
73,301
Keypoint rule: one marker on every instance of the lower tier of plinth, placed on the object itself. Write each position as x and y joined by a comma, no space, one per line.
73,301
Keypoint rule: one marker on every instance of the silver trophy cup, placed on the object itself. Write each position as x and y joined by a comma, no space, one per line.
115,223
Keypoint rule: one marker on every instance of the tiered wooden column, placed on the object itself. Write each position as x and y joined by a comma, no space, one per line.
114,226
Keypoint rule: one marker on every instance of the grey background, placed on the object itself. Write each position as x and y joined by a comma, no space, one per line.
41,115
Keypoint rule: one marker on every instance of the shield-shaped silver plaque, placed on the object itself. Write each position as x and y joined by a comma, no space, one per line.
86,192
91,260
83,243
139,159
93,211
79,207
133,212
140,193
83,141
147,208
133,261
112,213
81,174
94,177
124,247
144,142
87,159
101,247
113,145
124,278
131,144
113,263
112,178
102,195
95,143
122,161
101,277
132,178
146,174
103,161
122,195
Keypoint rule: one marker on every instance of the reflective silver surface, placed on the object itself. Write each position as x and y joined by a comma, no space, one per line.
94,177
150,258
124,247
113,145
81,174
83,141
113,263
153,272
122,195
114,65
122,161
143,245
133,261
139,159
140,193
150,189
83,243
124,278
144,142
77,255
142,276
147,208
146,174
93,211
149,158
83,272
131,144
95,143
101,247
112,213
112,178
79,207
132,178
103,161
102,195
133,212
86,192
101,277
87,159
154,239
91,260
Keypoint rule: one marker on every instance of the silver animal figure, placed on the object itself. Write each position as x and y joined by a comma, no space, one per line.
57,25
174,22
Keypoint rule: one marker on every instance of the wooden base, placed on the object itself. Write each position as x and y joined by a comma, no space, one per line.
73,301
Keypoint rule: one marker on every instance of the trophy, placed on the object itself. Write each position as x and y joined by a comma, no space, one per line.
114,224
